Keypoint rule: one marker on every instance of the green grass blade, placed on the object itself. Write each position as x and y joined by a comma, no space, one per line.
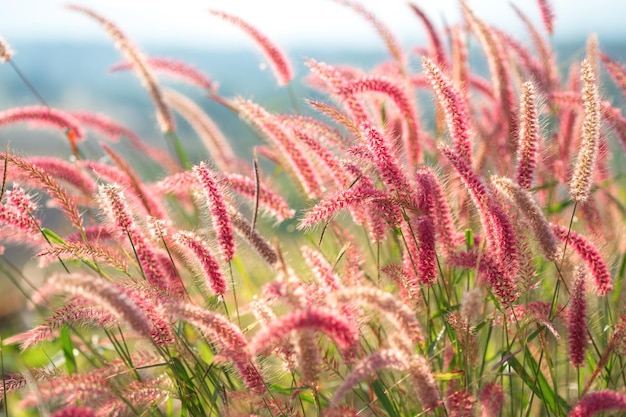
540,387
383,398
67,346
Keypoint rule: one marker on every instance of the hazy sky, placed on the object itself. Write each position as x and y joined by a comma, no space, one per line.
287,21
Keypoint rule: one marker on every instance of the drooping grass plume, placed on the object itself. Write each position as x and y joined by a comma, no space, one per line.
277,58
398,313
582,175
455,109
379,360
335,114
34,173
112,130
596,265
177,69
432,200
436,45
416,366
255,239
294,159
18,213
333,165
84,251
401,99
337,201
139,63
531,211
548,76
498,229
500,75
385,33
104,294
387,165
616,71
72,313
65,171
326,321
41,116
230,338
203,256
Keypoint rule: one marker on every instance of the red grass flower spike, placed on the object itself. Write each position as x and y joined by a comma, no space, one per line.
576,319
218,209
529,136
597,402
596,265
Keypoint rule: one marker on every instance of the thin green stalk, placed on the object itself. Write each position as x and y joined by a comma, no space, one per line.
292,97
4,379
232,283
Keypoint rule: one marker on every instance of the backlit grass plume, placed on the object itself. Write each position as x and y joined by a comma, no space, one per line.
418,237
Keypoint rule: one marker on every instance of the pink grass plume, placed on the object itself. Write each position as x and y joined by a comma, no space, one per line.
599,401
203,256
397,312
529,136
139,64
217,208
226,334
401,98
106,294
65,171
436,46
598,269
377,361
50,185
328,322
383,158
41,116
179,70
432,200
17,213
455,109
617,72
576,319
531,211
547,15
74,411
276,57
491,400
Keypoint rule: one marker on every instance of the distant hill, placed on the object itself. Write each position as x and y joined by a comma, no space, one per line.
76,76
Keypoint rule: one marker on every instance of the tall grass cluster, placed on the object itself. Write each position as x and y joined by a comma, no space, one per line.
468,265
